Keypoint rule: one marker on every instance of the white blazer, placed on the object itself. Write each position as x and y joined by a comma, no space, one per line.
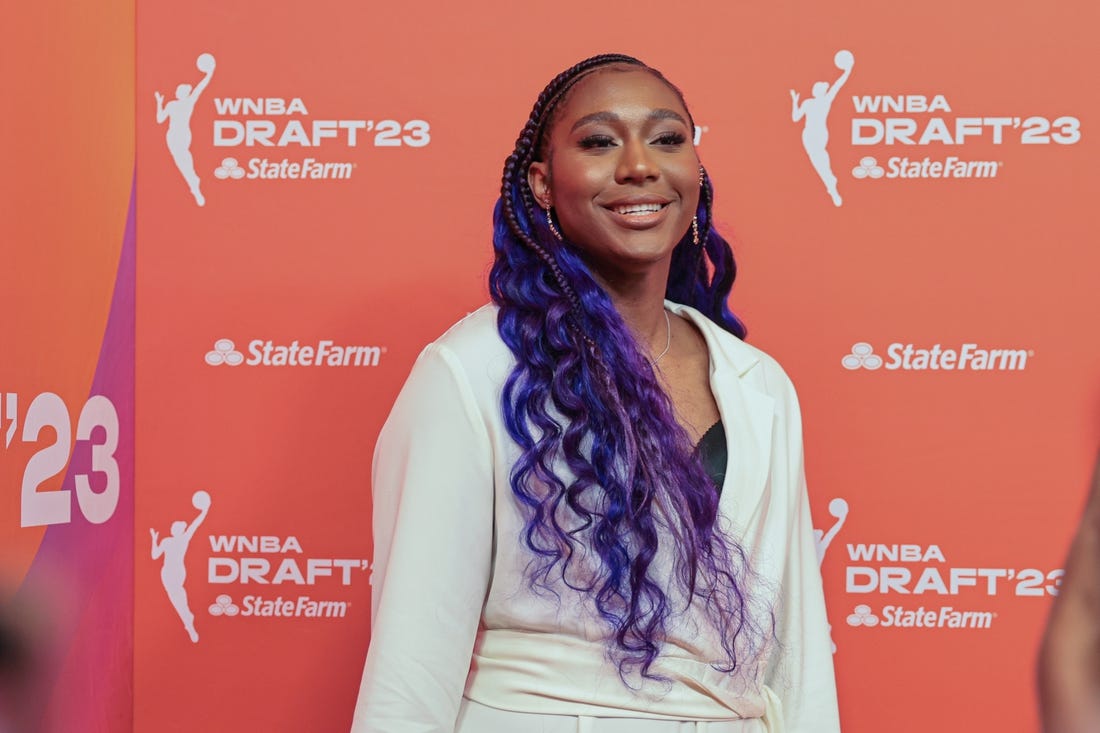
454,619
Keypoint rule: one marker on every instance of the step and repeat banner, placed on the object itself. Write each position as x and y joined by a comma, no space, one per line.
908,191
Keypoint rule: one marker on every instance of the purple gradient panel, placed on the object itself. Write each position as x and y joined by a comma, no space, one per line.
82,577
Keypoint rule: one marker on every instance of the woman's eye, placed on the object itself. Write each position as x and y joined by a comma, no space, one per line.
671,138
597,141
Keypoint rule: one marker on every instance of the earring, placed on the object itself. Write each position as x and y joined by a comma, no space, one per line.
550,223
695,219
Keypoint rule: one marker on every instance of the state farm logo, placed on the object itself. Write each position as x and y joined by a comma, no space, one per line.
229,169
910,357
868,168
916,136
323,352
862,357
299,143
296,607
901,617
223,605
861,616
949,167
224,352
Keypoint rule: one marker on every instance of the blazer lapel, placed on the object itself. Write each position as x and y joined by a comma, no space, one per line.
747,414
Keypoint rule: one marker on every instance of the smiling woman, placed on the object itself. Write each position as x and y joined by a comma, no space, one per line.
590,510
620,171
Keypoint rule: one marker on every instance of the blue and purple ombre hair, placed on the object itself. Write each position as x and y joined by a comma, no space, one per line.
606,474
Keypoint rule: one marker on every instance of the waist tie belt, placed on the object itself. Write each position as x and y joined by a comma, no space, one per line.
477,718
634,725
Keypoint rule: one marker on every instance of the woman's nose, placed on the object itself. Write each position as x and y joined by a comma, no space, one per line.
636,163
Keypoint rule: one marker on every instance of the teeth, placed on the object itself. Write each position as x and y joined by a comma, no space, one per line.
638,209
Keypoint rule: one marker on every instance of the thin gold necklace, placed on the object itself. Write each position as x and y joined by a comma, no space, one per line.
668,339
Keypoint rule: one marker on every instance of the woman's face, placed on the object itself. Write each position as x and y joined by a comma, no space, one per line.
620,171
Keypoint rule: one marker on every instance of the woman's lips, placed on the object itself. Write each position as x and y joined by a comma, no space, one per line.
637,208
638,215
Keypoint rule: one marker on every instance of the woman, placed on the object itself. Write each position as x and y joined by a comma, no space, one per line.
552,552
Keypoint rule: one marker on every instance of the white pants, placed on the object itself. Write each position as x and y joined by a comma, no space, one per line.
474,717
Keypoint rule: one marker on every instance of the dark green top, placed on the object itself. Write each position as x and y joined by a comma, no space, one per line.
713,453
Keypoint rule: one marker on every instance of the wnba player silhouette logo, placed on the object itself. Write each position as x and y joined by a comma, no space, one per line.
173,573
178,113
815,130
838,508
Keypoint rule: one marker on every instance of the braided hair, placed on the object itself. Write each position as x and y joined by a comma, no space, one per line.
606,475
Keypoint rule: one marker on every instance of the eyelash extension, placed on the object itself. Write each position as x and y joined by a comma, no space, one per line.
597,141
671,138
606,141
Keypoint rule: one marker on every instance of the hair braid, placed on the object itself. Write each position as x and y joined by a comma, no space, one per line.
527,145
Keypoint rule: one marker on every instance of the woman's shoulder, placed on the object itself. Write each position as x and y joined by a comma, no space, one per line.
476,330
472,342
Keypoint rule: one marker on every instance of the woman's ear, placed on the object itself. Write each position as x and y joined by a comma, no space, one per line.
538,178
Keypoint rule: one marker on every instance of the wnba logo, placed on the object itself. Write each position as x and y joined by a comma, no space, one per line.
177,113
838,509
815,129
173,549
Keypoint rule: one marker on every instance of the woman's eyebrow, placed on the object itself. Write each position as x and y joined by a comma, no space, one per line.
667,114
595,117
657,114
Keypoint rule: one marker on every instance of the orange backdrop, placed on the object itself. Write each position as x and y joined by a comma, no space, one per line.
980,472
347,158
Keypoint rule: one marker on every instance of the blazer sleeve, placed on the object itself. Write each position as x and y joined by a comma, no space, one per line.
804,674
433,528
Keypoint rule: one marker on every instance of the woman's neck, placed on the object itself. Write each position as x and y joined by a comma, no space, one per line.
639,299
